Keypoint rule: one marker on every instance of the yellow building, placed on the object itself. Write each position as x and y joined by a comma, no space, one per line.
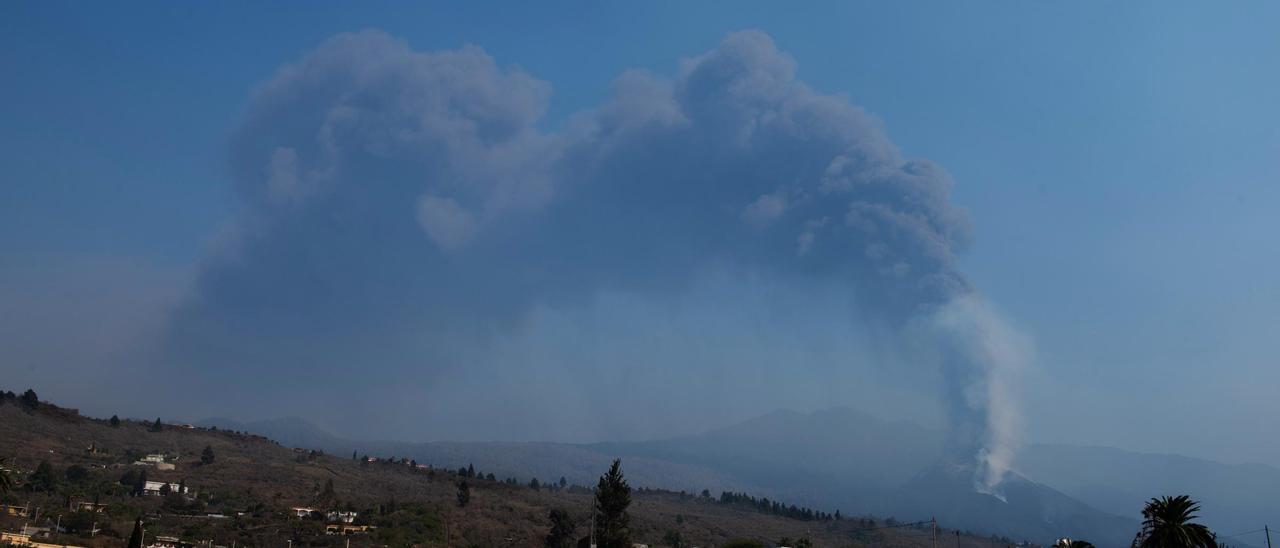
10,510
19,539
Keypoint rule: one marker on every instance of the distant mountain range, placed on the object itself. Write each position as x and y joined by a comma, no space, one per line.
845,459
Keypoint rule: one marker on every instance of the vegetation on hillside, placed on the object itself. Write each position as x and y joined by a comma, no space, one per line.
85,475
230,487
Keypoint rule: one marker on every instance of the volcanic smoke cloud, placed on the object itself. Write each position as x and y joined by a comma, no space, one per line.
395,198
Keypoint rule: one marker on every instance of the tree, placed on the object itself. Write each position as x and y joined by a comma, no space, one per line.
613,496
43,479
115,421
164,489
29,400
140,485
1068,543
533,484
327,494
471,471
1167,523
76,473
135,538
129,477
207,456
80,521
563,482
6,483
176,502
673,539
353,455
464,493
156,427
561,533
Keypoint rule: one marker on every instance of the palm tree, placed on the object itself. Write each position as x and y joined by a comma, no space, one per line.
1167,523
5,483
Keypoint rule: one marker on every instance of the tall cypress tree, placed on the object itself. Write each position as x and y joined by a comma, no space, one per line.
613,496
327,495
464,493
141,484
135,538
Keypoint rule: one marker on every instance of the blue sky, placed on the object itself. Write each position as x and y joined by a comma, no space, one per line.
1119,163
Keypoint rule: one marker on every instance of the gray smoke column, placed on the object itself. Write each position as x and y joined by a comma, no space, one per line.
397,204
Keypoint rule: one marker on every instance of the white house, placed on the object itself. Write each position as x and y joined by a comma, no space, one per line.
158,461
342,517
157,488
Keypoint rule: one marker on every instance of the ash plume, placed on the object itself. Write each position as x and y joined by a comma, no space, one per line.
398,204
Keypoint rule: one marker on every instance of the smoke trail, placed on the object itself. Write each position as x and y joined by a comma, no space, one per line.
398,205
986,357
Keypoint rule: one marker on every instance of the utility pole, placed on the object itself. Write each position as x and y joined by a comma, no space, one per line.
957,539
934,521
1268,531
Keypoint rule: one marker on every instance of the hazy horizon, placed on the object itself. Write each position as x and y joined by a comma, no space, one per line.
583,223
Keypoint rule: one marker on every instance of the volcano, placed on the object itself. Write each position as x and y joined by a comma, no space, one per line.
1018,508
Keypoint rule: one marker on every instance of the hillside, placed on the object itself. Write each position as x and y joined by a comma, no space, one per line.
1026,509
847,459
244,495
854,460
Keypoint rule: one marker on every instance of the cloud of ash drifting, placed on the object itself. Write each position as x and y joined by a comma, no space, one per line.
400,205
